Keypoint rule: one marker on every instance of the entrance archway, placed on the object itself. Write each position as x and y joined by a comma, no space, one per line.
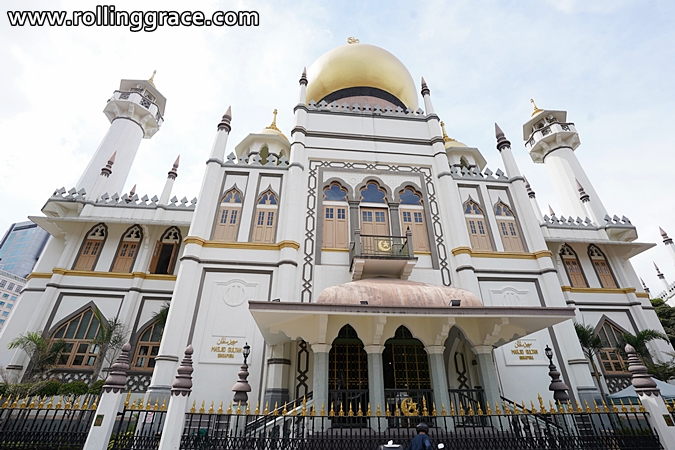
347,373
407,382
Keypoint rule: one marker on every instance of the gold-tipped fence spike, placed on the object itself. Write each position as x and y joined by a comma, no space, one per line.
623,407
387,411
433,409
461,410
276,409
156,407
229,409
515,409
266,411
452,410
668,405
248,409
570,408
256,412
32,403
211,407
201,409
313,413
294,412
126,402
58,405
77,404
523,405
631,406
220,408
331,413
51,402
561,408
8,402
133,405
425,411
323,410
397,412
471,411
368,411
23,403
15,402
285,410
606,409
378,412
303,410
350,413
443,411
533,410
588,408
359,412
596,408
94,405
541,401
480,410
579,410
341,413
497,410
85,406
194,405
239,408
488,411
148,404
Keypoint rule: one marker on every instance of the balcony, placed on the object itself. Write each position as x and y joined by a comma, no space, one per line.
388,256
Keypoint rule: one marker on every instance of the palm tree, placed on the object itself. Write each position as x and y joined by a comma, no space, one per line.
639,342
111,337
43,356
591,346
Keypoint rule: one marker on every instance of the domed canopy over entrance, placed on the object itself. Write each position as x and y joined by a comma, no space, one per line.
361,73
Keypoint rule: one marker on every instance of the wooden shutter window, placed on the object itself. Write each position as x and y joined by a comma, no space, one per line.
91,248
228,219
601,266
265,218
165,253
127,250
415,220
573,267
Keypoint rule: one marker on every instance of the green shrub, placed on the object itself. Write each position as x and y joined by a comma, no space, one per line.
20,389
74,388
97,387
50,388
3,389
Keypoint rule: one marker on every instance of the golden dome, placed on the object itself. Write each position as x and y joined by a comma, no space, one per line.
360,65
450,142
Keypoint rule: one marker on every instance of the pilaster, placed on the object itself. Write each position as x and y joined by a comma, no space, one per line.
439,378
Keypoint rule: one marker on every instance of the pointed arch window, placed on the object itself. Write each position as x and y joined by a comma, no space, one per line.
573,267
375,216
229,216
601,266
508,228
78,333
265,217
405,361
412,216
128,250
147,347
91,248
335,217
476,225
166,252
610,358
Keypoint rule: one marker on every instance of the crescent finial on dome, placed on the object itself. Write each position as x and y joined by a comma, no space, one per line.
352,40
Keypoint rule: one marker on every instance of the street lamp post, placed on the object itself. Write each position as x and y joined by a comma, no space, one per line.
241,388
558,387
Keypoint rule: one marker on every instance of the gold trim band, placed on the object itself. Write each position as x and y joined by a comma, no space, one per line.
92,273
603,290
506,255
329,249
241,245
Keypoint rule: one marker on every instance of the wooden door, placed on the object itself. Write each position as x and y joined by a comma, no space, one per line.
604,274
228,224
574,272
374,221
415,220
510,236
86,260
335,227
478,233
265,225
124,259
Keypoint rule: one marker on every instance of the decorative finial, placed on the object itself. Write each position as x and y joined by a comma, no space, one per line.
173,173
425,88
583,196
273,125
225,121
550,211
303,77
530,192
151,80
664,235
536,110
658,272
445,135
183,384
117,380
644,286
641,381
107,170
501,139
352,40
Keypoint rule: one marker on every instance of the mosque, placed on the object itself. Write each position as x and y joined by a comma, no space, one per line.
363,256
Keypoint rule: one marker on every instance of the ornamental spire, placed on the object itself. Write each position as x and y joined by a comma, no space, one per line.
536,110
107,170
583,196
658,272
530,192
273,125
501,139
225,121
151,80
425,88
117,380
173,173
664,235
303,77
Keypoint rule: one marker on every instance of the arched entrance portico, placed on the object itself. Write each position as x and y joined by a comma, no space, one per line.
347,372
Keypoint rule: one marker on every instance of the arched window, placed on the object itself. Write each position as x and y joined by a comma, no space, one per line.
475,223
611,360
508,229
127,250
405,368
264,154
78,333
165,253
147,347
463,162
601,266
412,216
265,218
374,217
572,267
229,216
91,248
335,219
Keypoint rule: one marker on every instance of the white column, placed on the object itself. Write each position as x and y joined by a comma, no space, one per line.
320,376
375,377
106,412
174,421
439,378
504,147
488,374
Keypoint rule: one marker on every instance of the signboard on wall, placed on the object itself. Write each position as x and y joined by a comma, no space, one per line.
524,352
224,350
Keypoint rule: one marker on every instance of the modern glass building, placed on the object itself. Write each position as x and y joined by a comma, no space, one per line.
20,248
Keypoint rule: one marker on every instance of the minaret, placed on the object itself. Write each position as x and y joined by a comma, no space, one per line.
551,140
644,286
586,202
533,201
504,147
302,95
166,193
668,242
662,277
135,112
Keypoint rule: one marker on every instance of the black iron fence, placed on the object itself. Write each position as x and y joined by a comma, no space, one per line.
139,426
57,423
563,427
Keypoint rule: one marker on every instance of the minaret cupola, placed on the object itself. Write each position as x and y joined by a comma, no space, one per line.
266,146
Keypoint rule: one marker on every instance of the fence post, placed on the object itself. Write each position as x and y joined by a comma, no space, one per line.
175,414
108,407
650,397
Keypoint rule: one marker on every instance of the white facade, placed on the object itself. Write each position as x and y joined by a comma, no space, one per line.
365,188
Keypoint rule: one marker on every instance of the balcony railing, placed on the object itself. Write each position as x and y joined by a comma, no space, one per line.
372,255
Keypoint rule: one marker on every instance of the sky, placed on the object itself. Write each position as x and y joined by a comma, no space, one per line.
609,63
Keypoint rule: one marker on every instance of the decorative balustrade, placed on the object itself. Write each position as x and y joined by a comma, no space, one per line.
138,98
